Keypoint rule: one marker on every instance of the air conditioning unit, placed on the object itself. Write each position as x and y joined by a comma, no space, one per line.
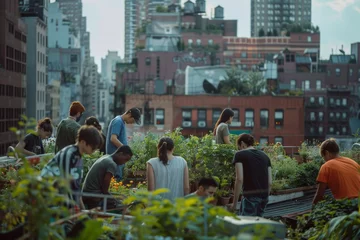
186,124
202,124
249,124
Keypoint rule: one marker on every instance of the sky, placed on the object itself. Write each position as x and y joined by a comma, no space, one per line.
337,20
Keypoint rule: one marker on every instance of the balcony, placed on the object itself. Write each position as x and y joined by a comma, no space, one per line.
313,105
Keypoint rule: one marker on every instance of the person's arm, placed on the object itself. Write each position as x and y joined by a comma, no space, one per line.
20,147
239,180
186,181
106,183
150,177
114,133
319,192
270,179
114,140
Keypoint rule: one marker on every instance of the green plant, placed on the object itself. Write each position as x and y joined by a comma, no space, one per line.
306,174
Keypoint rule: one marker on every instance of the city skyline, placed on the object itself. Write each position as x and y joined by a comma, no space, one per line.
106,23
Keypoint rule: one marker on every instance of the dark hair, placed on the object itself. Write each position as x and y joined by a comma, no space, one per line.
246,138
93,121
225,115
45,124
208,182
91,136
329,145
165,144
125,150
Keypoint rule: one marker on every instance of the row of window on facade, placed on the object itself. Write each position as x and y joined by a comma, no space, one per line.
249,118
332,101
332,116
17,34
265,140
332,130
11,91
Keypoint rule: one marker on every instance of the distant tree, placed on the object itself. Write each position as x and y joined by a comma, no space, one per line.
235,83
161,9
261,33
257,83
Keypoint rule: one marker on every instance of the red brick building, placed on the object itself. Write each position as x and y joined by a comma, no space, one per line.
330,89
249,52
12,71
269,118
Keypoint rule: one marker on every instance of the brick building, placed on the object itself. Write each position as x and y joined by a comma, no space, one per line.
269,118
12,71
249,52
330,88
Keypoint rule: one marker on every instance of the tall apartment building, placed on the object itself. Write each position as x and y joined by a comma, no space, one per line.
34,15
271,14
12,71
137,13
73,11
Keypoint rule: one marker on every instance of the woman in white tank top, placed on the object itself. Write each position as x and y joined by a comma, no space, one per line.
168,171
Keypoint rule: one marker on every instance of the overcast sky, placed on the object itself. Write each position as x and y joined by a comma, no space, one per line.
338,21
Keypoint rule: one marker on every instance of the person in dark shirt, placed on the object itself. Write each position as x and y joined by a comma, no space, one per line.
93,121
68,128
100,174
68,163
32,143
253,176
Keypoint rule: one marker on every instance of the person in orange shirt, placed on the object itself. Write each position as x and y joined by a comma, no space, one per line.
340,174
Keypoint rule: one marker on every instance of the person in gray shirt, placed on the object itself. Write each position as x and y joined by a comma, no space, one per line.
99,176
221,130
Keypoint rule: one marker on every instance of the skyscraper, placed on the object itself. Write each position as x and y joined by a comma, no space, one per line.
270,15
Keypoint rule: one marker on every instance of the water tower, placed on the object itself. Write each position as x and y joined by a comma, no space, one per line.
189,8
219,12
200,6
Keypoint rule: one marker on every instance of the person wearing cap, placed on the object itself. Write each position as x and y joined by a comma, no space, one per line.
68,128
116,135
93,121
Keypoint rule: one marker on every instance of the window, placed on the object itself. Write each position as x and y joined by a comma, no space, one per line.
312,100
264,118
337,115
279,140
344,116
321,116
312,116
309,38
338,102
210,42
148,116
331,101
148,61
344,101
318,84
321,100
236,119
263,141
73,58
292,84
198,42
338,72
306,85
331,129
157,67
249,118
321,129
350,72
344,130
215,115
202,118
279,118
160,116
190,42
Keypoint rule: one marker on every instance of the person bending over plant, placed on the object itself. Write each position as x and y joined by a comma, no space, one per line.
168,171
340,174
100,174
32,143
207,188
68,162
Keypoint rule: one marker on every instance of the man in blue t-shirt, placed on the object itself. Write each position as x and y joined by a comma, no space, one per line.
116,136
